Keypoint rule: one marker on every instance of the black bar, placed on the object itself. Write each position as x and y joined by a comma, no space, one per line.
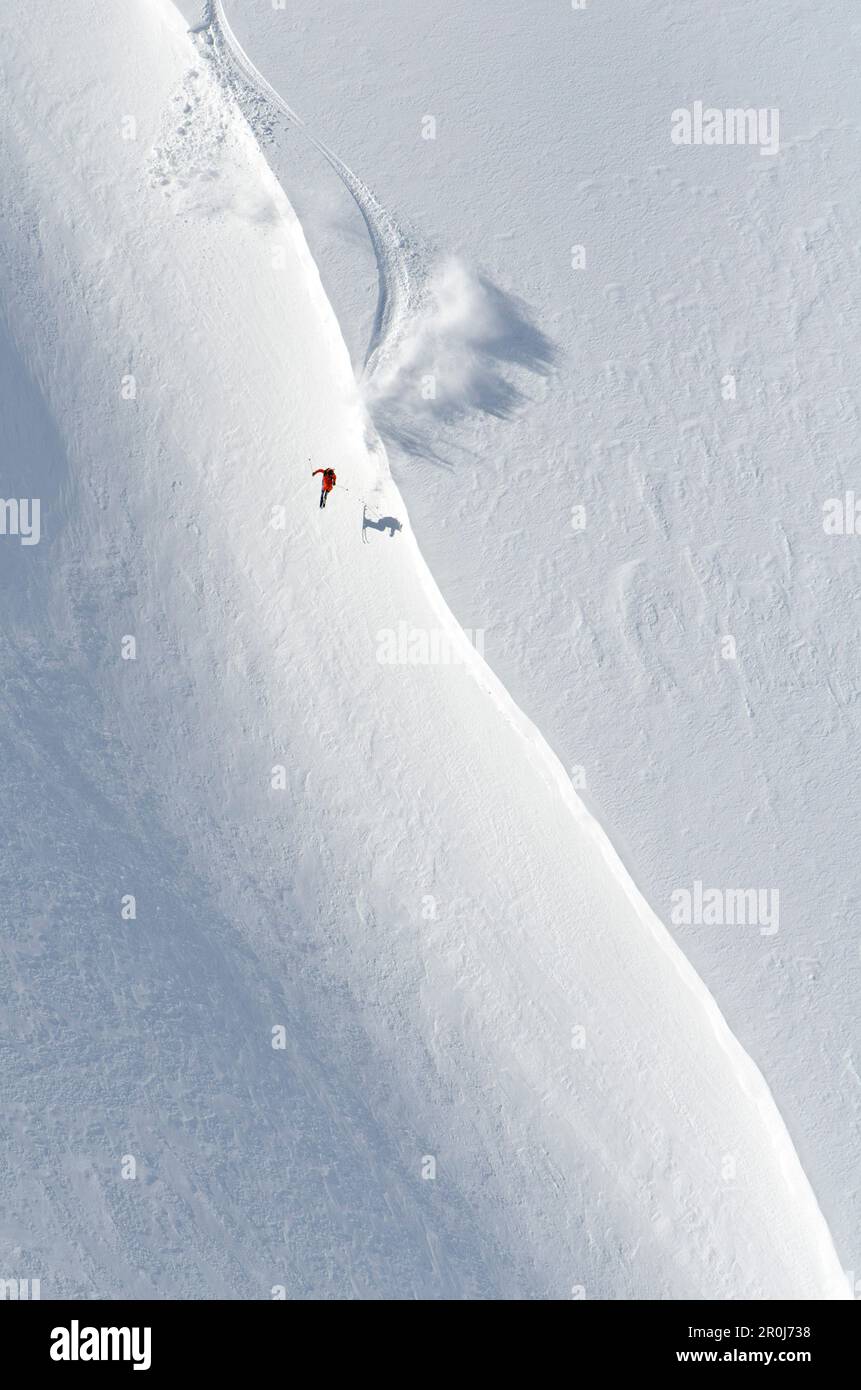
226,1339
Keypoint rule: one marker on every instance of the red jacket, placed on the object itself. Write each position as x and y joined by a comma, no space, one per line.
330,477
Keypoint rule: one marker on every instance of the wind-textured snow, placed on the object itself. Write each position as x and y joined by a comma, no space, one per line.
500,1077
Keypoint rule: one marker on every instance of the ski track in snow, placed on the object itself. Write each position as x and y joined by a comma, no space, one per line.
397,300
398,293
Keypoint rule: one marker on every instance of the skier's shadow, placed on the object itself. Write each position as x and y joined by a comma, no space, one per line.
381,523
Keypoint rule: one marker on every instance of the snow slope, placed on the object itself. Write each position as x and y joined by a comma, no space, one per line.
386,861
603,388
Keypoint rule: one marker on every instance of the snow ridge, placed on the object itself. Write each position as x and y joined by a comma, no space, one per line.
397,296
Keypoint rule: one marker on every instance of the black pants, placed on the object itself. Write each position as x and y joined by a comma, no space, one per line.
323,495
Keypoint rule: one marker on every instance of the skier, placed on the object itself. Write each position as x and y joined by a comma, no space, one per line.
329,480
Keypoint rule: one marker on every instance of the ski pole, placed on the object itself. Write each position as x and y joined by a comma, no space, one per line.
353,494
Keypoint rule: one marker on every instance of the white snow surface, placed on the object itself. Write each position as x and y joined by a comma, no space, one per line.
604,388
501,1077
